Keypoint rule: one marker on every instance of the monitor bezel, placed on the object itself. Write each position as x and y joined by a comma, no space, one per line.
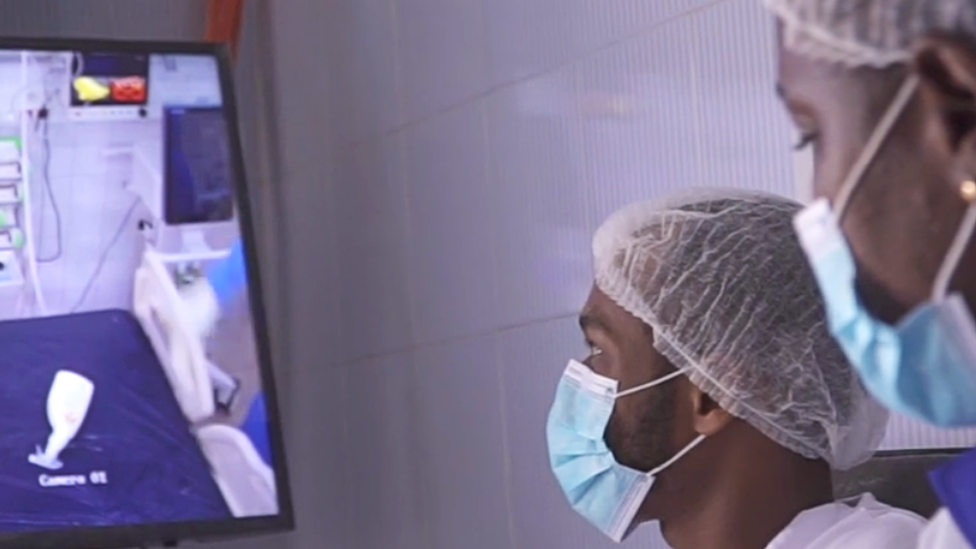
170,534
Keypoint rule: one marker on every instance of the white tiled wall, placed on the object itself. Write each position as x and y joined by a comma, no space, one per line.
93,207
460,154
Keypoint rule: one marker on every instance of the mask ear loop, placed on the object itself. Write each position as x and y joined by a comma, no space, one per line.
677,456
943,278
940,288
877,139
648,385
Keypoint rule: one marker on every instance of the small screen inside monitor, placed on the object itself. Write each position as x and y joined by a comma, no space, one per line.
198,168
132,389
109,78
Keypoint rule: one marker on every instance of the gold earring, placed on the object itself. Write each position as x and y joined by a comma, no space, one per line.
967,190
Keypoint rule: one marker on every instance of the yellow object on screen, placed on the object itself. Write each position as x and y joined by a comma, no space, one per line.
89,89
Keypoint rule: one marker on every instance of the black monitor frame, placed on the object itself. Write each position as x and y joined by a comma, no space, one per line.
171,534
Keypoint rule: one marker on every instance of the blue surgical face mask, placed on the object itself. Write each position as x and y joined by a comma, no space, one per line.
603,491
925,366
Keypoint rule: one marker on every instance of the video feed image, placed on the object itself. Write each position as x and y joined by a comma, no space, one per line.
101,78
130,390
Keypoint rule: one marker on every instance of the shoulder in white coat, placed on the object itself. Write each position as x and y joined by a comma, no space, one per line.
857,523
942,533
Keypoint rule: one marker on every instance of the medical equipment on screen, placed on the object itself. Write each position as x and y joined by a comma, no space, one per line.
10,172
104,86
19,281
33,78
167,322
11,285
9,194
184,176
9,267
178,323
245,480
11,239
9,154
8,216
67,406
201,300
88,89
205,298
228,278
226,386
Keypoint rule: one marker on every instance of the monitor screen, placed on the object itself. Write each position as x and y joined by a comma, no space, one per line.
137,402
198,168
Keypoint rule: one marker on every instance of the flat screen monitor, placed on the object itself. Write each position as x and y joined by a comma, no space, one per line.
137,401
198,180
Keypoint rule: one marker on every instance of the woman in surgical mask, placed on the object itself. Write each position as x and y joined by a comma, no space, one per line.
883,93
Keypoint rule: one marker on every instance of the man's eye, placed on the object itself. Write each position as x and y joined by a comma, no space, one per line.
805,141
595,351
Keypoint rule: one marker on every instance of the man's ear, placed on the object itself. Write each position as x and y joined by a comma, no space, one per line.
708,418
946,68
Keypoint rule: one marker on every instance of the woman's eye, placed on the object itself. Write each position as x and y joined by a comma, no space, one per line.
595,351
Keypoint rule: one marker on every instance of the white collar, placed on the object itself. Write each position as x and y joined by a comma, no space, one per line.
820,526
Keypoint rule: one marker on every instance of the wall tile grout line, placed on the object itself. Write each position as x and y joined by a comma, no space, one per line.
555,68
459,339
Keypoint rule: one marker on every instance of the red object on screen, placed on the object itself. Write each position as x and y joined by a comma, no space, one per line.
129,90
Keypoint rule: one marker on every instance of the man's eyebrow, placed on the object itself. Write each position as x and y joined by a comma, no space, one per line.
589,321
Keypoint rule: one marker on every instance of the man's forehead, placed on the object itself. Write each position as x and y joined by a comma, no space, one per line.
601,312
593,314
598,304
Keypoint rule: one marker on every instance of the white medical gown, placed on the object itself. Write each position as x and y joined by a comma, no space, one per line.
856,523
942,533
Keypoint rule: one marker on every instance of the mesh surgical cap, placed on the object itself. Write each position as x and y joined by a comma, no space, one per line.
875,33
721,279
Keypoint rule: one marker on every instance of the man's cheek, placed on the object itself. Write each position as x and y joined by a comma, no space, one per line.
620,433
614,435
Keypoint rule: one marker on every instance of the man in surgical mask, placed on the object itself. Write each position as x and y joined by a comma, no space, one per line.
884,95
713,398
